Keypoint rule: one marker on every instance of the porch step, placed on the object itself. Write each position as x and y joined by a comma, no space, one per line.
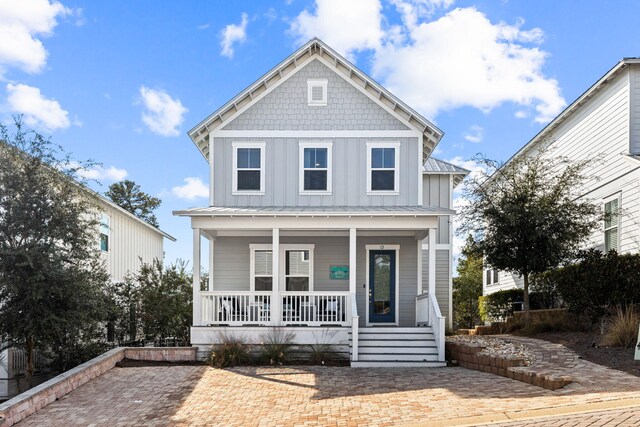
376,349
395,337
390,346
397,364
395,330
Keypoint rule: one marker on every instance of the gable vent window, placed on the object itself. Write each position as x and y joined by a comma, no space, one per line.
317,92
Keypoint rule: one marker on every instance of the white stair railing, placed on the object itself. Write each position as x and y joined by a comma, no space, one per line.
355,320
436,321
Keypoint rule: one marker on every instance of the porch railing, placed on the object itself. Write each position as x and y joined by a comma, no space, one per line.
428,313
236,308
316,308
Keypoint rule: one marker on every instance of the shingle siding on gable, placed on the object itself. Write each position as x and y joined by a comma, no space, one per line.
286,107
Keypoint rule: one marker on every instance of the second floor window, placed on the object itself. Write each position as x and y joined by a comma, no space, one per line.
382,171
248,161
105,232
315,171
493,277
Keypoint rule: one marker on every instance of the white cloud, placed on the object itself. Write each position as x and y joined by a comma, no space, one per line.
193,188
203,26
162,114
101,173
347,26
233,34
38,111
22,25
463,59
475,134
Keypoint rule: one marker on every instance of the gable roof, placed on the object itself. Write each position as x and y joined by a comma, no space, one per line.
315,48
575,105
435,166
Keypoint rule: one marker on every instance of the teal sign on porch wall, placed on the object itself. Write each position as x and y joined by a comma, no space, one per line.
339,272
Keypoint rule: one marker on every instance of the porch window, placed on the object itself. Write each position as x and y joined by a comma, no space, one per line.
248,172
315,169
105,232
382,167
612,225
297,270
261,268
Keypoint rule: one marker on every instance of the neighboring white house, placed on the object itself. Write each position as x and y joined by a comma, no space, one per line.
327,216
602,124
125,243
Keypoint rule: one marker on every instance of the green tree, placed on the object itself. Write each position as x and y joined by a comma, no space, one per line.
528,216
128,195
467,287
51,276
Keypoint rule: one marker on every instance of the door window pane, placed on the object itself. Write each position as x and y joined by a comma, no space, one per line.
382,284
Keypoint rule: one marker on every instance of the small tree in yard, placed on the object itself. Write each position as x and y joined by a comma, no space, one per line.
51,277
128,195
528,217
467,287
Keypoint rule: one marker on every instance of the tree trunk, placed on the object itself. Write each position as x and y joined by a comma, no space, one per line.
29,372
527,318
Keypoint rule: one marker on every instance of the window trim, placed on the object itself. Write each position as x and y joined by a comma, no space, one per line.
283,263
108,234
234,178
396,169
329,169
490,276
618,223
311,83
253,247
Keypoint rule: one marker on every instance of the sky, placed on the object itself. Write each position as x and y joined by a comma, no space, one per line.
121,82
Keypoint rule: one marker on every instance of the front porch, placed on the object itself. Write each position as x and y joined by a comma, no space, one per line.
315,274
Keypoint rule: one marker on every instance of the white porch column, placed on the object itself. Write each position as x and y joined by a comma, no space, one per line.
432,261
211,247
197,303
276,310
352,260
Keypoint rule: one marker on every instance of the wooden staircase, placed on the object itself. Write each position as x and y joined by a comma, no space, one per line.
388,346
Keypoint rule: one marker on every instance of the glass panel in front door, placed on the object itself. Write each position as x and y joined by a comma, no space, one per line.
382,284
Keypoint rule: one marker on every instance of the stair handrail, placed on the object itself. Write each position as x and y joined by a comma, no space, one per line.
355,320
437,322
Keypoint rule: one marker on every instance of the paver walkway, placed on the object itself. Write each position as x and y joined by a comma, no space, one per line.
262,396
629,417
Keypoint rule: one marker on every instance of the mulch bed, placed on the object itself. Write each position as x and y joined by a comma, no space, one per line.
585,344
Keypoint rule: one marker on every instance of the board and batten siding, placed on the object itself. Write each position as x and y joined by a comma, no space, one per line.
605,128
443,277
349,174
130,244
231,267
286,107
436,191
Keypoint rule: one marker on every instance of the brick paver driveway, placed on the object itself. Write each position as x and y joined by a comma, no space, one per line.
258,396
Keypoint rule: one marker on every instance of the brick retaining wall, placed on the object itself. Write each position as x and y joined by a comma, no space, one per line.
509,366
32,400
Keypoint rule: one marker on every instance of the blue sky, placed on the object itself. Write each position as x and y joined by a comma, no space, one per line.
122,82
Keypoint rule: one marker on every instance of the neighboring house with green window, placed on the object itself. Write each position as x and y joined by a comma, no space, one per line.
327,217
126,241
602,124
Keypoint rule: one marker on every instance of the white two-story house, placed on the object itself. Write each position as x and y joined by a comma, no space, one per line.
603,124
326,214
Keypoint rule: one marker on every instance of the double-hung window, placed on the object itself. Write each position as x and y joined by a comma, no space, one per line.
382,167
248,168
261,268
315,167
298,268
105,232
612,224
493,277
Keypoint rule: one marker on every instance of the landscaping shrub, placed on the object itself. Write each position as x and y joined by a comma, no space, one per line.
276,346
322,352
499,305
598,280
231,351
622,328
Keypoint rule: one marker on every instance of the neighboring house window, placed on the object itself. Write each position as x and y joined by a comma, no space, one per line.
261,268
612,225
493,277
105,232
248,167
315,170
382,167
317,92
298,269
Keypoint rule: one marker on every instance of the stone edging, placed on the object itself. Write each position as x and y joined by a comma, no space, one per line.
510,367
32,400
